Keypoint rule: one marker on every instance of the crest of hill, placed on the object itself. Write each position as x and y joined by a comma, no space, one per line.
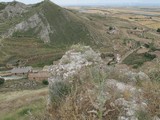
66,26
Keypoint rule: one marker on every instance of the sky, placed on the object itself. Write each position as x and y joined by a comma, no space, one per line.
97,2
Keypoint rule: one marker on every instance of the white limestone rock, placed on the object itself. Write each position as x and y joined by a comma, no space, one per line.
73,61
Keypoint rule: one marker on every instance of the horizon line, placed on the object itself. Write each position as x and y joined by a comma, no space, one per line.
98,4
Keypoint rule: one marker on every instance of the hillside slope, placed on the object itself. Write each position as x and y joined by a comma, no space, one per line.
46,21
32,33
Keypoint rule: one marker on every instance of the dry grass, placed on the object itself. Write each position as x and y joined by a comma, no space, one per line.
151,24
16,105
88,99
151,93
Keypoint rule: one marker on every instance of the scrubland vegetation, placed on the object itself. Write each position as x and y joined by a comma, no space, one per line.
93,93
86,97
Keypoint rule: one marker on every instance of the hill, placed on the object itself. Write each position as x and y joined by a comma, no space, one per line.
44,20
44,26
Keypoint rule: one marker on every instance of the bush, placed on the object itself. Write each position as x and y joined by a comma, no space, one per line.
150,56
111,28
25,111
151,93
103,56
2,81
78,48
152,46
135,28
2,6
141,115
146,45
135,66
45,82
58,91
155,76
158,30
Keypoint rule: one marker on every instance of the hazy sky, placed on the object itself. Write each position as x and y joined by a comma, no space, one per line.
96,2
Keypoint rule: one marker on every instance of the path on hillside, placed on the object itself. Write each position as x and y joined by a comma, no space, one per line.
128,53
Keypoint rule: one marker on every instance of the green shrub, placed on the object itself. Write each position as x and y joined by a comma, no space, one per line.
135,66
103,56
78,48
152,47
150,56
155,76
146,45
111,28
2,6
25,111
2,81
141,115
151,95
158,30
135,28
45,82
13,3
65,60
58,91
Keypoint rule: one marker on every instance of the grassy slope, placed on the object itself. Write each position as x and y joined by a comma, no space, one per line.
36,52
68,28
138,59
16,105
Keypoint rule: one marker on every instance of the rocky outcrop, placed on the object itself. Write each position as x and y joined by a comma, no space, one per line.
73,61
129,106
13,9
126,75
101,95
34,22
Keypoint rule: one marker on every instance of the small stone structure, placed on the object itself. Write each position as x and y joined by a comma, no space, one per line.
39,76
21,70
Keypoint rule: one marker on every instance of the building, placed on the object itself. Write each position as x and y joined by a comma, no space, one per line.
21,70
39,76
